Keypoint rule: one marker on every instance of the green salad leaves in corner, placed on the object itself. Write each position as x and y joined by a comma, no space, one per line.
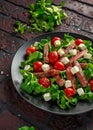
27,128
59,70
44,17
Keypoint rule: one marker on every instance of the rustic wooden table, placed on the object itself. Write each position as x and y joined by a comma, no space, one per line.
14,111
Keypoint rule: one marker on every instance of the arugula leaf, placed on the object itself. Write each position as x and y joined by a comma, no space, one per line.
41,44
30,84
64,102
89,46
89,71
63,74
67,40
34,57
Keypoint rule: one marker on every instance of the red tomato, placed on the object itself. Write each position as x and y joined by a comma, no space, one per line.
59,65
69,92
53,57
30,50
37,66
45,82
79,41
91,84
54,39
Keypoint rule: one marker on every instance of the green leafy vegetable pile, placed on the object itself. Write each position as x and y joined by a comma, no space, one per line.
44,16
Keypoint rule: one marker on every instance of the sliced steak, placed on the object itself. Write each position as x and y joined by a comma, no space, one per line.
46,51
71,77
49,73
83,65
79,55
80,75
59,80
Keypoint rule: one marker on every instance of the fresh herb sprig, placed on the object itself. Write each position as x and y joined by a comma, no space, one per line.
19,27
27,128
44,17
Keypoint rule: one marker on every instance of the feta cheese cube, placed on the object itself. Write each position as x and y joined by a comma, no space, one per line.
68,83
87,56
65,60
73,52
45,67
36,43
47,97
80,91
61,52
74,70
57,43
82,47
27,67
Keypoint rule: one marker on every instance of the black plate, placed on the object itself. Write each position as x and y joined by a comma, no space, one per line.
36,101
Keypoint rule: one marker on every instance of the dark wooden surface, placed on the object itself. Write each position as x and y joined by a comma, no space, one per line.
14,111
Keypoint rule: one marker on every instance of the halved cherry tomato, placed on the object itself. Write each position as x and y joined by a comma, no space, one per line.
37,66
45,82
69,92
91,84
59,65
79,41
54,39
30,50
53,57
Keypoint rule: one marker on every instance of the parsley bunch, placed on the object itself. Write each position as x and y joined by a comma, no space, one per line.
44,16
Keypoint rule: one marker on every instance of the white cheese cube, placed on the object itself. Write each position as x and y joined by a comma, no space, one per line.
68,83
82,47
45,67
47,97
74,70
27,67
73,52
57,43
65,60
80,91
36,43
61,52
87,56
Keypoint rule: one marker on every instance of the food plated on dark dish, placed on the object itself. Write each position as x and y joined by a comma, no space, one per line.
54,72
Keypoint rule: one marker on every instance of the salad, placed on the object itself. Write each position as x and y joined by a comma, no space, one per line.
59,70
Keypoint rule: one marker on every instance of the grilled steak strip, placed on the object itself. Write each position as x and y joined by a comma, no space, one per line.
79,55
71,77
49,73
80,75
46,50
59,80
83,65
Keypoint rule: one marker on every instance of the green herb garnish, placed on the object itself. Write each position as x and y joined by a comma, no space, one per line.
44,17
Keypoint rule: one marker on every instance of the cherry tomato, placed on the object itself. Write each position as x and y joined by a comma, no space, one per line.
59,65
79,41
37,66
53,57
45,82
54,39
30,50
91,84
69,92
